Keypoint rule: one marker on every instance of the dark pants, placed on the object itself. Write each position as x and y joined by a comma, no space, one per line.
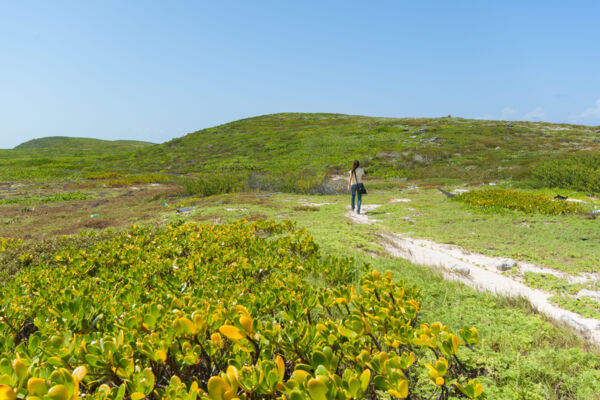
354,190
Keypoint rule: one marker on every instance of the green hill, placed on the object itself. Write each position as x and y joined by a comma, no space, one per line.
296,151
54,146
325,144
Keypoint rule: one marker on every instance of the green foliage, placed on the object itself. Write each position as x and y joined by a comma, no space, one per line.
136,180
215,184
294,182
581,305
496,199
42,251
102,175
67,196
292,152
219,312
54,146
578,172
6,243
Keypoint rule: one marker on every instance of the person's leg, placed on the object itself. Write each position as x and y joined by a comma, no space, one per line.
358,202
353,191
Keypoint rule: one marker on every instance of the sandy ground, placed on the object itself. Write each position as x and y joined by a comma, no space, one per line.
481,272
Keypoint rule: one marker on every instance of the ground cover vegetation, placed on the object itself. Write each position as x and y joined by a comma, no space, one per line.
516,343
67,196
579,172
496,199
519,354
225,312
295,152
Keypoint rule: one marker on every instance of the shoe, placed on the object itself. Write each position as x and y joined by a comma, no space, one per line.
358,212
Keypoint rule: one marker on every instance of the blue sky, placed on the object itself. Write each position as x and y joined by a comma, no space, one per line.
155,70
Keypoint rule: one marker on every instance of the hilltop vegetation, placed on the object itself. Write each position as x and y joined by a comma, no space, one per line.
294,152
54,146
59,157
316,145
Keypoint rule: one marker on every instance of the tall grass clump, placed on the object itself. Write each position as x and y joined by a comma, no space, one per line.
294,182
213,184
579,172
497,200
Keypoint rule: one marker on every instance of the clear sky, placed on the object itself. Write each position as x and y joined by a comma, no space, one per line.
155,70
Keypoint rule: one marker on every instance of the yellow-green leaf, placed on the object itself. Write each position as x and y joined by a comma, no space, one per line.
232,332
317,389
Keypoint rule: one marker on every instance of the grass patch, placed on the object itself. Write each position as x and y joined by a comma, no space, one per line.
550,283
497,199
68,196
581,305
577,172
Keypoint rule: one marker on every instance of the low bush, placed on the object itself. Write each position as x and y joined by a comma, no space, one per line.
6,243
67,196
214,184
102,175
581,172
299,182
220,312
136,180
497,199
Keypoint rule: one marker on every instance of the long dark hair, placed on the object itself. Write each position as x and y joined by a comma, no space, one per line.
355,165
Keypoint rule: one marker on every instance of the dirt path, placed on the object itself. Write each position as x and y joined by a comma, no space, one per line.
482,272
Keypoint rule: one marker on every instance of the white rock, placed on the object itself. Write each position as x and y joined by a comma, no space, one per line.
506,265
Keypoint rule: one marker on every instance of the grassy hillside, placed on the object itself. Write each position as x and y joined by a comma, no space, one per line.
295,151
443,148
58,146
60,157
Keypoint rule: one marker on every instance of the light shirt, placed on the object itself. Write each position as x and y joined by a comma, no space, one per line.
357,177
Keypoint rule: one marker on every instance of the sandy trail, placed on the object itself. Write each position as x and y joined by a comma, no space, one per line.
481,272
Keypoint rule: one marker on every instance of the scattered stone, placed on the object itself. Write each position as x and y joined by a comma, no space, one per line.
185,209
508,125
461,270
405,130
506,265
497,148
492,183
598,131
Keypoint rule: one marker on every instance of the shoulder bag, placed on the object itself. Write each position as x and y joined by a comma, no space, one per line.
360,188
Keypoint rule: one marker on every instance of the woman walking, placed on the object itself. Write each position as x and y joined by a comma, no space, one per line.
354,180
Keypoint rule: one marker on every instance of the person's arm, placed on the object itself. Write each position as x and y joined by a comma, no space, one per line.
349,180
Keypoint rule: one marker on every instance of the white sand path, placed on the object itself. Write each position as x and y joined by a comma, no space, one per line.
480,272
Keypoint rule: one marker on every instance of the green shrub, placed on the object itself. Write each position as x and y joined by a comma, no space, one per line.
135,180
580,172
102,175
67,196
215,184
496,199
220,312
